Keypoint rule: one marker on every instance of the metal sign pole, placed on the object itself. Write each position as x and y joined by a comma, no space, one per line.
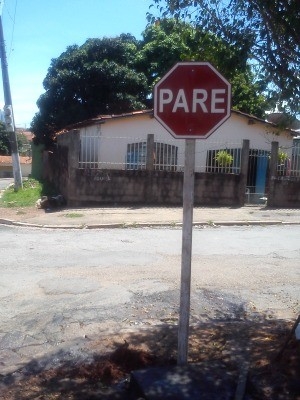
191,101
186,257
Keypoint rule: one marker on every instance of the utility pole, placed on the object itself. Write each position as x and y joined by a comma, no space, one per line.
8,112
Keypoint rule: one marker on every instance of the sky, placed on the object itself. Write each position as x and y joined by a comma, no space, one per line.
36,31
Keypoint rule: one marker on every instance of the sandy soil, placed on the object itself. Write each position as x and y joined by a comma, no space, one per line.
267,350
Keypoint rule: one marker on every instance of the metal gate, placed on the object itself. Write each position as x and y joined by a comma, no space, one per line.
257,177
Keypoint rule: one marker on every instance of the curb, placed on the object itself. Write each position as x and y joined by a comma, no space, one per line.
125,225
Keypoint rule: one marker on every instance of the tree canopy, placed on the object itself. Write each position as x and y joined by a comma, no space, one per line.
267,29
5,146
169,41
85,81
116,75
4,141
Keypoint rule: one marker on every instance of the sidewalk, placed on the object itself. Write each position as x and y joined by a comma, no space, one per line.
109,217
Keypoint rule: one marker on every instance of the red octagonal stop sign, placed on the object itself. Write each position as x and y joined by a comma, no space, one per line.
192,100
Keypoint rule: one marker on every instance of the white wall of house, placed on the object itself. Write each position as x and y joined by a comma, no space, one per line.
6,169
26,170
115,133
260,134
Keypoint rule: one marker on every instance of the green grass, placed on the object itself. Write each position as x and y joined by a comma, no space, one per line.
26,197
74,215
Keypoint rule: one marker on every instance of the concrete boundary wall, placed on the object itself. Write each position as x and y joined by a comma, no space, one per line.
84,186
152,188
284,191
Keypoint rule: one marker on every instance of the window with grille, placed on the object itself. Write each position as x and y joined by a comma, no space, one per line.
164,156
89,149
212,164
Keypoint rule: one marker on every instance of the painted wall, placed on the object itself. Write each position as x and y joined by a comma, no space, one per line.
116,133
37,160
110,186
108,183
6,169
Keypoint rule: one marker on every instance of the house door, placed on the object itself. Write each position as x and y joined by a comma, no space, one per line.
261,174
257,176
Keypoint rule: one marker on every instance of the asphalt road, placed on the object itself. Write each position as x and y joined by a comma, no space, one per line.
60,290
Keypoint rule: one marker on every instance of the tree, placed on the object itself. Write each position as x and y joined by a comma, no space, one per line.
4,141
24,145
5,148
85,81
168,41
116,75
268,29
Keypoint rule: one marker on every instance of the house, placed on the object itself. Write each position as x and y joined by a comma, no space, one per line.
25,141
6,169
137,142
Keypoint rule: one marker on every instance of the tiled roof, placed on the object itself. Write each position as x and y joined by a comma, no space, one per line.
7,161
102,118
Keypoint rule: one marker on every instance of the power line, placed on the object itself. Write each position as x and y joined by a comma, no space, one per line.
13,28
13,19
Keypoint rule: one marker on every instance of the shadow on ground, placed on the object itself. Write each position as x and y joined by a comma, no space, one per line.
265,349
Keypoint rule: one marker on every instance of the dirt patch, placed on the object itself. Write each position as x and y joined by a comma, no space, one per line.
20,213
266,349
